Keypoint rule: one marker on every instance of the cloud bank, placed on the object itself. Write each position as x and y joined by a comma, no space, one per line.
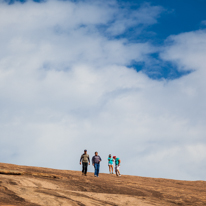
65,86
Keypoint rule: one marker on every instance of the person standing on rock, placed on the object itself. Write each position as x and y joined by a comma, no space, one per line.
84,160
110,164
117,165
96,159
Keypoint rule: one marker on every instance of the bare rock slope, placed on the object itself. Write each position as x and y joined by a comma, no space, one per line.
35,186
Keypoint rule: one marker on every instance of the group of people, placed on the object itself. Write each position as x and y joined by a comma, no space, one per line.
117,161
96,159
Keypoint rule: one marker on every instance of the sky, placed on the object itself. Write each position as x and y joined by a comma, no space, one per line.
125,78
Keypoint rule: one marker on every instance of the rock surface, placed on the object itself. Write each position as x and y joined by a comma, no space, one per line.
35,186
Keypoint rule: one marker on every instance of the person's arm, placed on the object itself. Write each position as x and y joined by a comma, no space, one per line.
93,161
100,159
119,162
88,159
80,160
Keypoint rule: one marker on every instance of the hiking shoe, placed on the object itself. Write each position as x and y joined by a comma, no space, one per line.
85,174
119,175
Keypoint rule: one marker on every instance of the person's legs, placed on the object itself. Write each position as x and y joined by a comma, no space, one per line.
95,169
85,168
82,168
116,170
98,166
110,168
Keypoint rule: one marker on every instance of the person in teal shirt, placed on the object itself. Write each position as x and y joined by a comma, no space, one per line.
117,165
110,164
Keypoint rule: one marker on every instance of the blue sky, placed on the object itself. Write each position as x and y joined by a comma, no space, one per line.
119,77
177,17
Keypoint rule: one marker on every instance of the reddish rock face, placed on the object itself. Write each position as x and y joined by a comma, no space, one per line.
34,186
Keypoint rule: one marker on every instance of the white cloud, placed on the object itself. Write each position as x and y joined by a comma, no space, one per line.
64,87
137,18
188,50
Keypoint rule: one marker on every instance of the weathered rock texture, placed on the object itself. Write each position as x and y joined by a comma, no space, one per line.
34,186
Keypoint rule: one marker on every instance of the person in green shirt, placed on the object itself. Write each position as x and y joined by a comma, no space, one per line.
84,160
117,165
110,164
